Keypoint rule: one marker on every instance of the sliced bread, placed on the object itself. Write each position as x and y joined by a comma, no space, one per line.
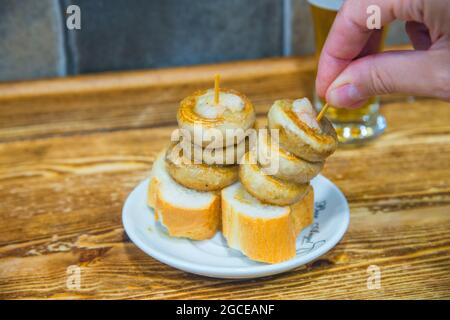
263,232
183,211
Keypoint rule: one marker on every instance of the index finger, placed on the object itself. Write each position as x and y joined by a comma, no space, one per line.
350,33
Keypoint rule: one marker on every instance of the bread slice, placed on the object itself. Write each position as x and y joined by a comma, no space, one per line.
263,232
184,212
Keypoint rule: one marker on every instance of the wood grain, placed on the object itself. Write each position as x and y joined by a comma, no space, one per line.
139,99
72,149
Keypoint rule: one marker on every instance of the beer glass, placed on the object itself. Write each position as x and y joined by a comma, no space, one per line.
353,126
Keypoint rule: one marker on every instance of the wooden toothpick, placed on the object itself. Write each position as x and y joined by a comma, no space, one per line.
322,112
216,88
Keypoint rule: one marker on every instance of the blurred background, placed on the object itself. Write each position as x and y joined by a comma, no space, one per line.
139,34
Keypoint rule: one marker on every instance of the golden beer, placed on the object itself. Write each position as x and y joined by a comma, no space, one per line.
352,125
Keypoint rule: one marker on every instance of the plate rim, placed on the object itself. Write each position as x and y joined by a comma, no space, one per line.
238,272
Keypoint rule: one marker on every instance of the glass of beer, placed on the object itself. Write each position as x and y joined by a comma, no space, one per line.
353,126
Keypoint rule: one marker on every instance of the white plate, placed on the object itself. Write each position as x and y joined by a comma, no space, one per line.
213,258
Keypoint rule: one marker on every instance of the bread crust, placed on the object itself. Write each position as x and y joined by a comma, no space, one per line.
242,120
269,240
266,188
197,223
297,137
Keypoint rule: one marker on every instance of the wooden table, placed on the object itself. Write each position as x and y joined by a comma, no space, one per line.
72,149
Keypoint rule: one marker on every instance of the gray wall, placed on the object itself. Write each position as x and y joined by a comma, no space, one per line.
136,34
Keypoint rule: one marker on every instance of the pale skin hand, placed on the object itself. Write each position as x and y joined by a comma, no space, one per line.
349,71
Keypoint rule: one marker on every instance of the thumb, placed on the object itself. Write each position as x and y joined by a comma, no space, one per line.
421,73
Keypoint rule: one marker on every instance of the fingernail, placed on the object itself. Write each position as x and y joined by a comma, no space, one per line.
346,95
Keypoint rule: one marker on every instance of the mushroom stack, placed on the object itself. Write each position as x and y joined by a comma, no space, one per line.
294,157
206,158
187,177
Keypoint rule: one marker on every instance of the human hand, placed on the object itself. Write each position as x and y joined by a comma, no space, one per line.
350,71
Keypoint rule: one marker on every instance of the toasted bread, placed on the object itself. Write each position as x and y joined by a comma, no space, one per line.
182,211
262,232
